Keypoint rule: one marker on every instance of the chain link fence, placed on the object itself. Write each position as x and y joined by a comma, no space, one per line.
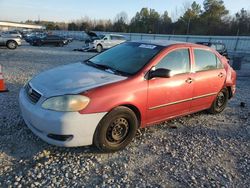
234,44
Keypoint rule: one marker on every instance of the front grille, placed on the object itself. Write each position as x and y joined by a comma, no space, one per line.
33,95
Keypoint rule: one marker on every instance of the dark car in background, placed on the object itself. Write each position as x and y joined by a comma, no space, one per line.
49,40
219,47
32,36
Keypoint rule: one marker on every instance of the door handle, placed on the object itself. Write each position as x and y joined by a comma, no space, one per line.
221,75
189,80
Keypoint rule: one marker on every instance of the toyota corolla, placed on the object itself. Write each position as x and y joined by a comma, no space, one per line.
105,99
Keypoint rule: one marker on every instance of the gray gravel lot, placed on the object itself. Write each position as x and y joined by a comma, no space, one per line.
198,150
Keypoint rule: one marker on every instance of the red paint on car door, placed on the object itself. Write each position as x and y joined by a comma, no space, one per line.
162,92
207,83
168,97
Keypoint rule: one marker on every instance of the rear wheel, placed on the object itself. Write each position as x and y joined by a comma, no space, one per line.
11,45
99,48
39,43
60,44
116,130
220,102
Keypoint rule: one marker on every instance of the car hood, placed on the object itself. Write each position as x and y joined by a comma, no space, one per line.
92,34
72,79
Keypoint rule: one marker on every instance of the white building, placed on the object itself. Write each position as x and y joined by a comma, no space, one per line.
5,26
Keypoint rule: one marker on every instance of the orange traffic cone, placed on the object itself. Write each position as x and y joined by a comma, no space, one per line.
2,85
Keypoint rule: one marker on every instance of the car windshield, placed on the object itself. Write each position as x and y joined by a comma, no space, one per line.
101,36
129,57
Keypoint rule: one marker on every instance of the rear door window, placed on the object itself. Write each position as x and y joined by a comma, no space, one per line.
178,61
206,60
113,37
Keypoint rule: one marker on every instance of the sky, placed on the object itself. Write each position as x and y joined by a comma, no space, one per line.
68,10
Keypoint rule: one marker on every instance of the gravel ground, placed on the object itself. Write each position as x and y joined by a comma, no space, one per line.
198,150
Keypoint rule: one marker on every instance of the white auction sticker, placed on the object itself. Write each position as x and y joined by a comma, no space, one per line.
147,46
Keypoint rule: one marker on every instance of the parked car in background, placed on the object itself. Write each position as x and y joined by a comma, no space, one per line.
103,42
49,40
69,39
105,99
92,36
15,34
32,36
10,42
219,47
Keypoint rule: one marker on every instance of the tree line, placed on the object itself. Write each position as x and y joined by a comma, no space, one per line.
211,18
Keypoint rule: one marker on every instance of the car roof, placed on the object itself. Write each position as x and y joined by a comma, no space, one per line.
210,43
115,35
166,43
160,42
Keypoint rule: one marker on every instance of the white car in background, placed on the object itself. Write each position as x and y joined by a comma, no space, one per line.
108,41
15,34
10,42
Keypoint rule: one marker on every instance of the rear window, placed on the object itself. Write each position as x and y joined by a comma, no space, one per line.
117,37
206,60
53,37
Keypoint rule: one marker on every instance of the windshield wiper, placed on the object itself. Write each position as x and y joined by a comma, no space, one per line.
115,71
90,63
99,66
106,68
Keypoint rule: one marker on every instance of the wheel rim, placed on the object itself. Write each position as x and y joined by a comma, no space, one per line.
99,48
117,131
12,45
220,101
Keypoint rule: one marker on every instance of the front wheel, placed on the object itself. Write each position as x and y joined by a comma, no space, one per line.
116,130
99,48
220,102
60,44
39,43
11,45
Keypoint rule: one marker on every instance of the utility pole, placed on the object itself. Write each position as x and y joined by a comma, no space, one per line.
188,25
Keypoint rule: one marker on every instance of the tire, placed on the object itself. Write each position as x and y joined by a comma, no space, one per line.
59,44
220,102
11,44
39,43
116,130
99,48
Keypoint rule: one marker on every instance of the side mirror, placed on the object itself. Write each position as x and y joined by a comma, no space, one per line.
160,73
105,39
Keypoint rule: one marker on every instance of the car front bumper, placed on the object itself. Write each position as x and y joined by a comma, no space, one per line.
89,46
18,42
79,128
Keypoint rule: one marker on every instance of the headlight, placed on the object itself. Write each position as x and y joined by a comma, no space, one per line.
66,103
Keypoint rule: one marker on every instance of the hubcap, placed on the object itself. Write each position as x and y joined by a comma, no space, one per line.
11,45
118,130
220,99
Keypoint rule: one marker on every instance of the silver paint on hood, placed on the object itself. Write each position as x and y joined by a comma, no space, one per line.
72,79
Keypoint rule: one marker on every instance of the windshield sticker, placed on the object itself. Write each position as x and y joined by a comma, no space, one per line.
147,46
